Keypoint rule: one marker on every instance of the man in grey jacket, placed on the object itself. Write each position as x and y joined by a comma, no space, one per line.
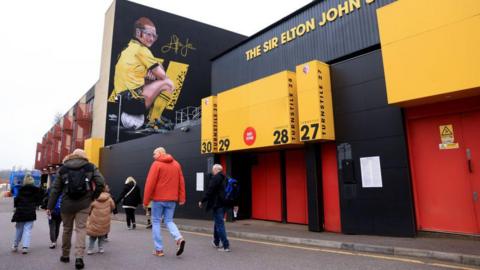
75,203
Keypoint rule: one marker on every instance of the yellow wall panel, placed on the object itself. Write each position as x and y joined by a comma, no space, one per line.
209,125
92,149
406,18
259,114
315,107
433,58
247,94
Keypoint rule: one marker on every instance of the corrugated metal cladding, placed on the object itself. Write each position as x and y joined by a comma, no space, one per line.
345,35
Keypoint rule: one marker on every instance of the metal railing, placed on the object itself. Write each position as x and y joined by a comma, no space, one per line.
187,114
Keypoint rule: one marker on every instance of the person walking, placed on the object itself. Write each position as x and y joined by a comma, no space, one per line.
215,199
130,198
98,222
75,182
28,198
165,187
55,218
54,222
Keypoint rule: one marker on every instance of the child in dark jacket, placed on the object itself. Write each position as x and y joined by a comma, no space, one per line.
28,198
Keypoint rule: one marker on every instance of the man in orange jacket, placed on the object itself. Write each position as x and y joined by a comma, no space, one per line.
165,187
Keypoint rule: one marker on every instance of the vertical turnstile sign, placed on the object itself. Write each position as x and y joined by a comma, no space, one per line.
315,109
258,114
209,125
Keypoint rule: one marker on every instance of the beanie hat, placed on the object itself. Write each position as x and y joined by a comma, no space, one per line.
28,180
80,152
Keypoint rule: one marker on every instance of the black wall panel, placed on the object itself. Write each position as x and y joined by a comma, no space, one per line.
133,158
346,35
370,127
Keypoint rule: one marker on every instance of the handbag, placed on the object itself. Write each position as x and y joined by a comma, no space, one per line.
126,195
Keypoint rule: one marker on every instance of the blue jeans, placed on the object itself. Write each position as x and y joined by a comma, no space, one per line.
165,210
92,241
219,232
23,231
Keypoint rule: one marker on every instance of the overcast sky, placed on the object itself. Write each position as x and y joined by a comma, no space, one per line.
50,56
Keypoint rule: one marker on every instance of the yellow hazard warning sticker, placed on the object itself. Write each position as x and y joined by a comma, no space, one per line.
447,137
446,133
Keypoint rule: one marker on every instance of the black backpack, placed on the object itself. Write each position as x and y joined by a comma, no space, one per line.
76,182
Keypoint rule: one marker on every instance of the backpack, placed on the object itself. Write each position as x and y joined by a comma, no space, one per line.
75,181
232,191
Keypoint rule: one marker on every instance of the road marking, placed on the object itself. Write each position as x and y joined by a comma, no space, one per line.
452,266
390,258
380,257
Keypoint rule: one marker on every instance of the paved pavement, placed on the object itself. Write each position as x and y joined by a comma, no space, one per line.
131,250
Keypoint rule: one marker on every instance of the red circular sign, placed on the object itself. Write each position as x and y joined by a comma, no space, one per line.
249,136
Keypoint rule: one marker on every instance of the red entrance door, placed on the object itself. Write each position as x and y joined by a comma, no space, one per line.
446,182
297,211
266,187
471,127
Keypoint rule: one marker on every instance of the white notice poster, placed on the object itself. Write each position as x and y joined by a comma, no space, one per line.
199,181
371,172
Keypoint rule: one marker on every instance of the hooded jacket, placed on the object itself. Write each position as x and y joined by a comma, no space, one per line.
164,181
70,205
98,222
26,202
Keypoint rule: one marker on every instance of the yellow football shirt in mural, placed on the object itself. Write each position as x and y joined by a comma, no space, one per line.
131,68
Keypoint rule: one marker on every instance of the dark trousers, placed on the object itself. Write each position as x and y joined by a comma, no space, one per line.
219,231
54,226
130,212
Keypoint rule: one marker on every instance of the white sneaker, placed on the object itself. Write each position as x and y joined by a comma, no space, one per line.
53,245
224,249
215,246
14,248
24,250
101,250
90,252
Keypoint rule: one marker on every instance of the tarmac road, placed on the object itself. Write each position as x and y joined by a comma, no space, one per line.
132,250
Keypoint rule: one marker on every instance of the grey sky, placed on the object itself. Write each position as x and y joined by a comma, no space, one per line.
50,56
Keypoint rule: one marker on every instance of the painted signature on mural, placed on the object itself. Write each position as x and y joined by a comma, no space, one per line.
177,46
